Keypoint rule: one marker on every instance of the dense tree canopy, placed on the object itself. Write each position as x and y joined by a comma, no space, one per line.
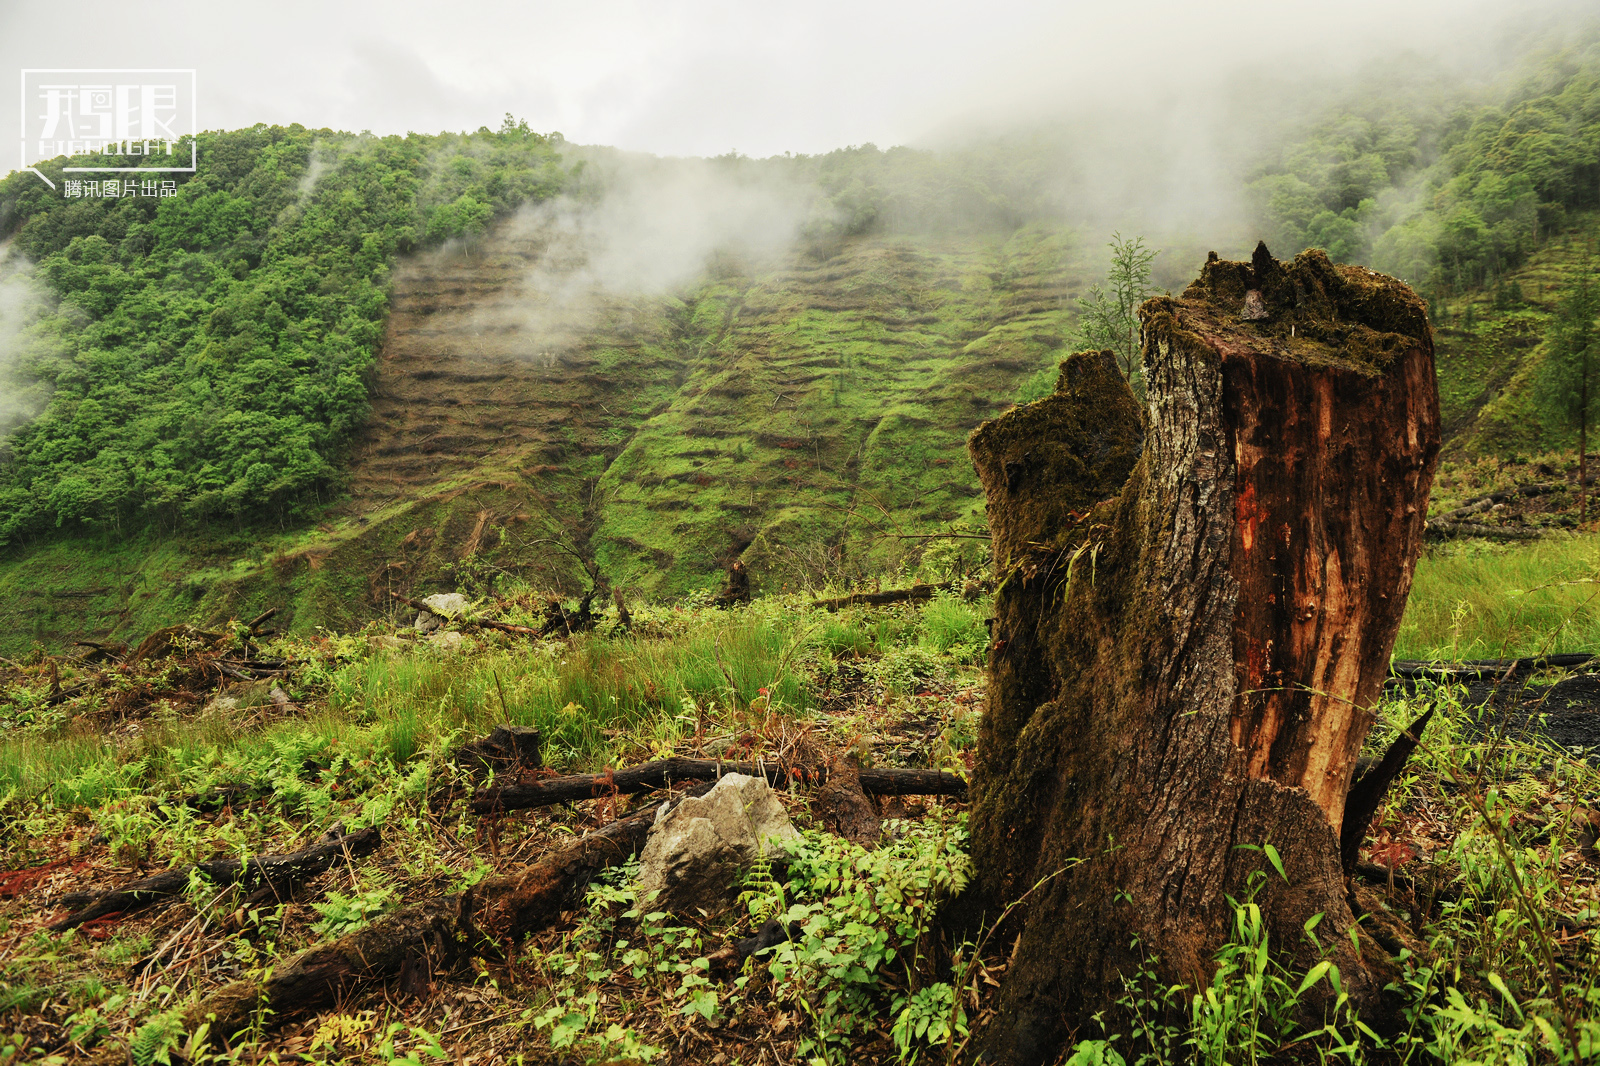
205,353
1440,192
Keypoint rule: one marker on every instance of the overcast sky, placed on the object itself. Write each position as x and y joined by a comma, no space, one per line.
697,77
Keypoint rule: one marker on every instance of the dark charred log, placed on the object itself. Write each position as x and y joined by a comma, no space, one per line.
292,868
1367,791
663,773
914,594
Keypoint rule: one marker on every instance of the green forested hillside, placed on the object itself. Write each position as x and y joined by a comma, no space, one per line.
205,354
335,366
1447,193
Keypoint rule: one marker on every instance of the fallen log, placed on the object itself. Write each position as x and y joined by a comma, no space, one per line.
1484,669
521,795
1427,896
727,959
1483,503
277,869
464,620
914,594
98,651
261,619
63,694
159,645
1388,877
434,935
1438,529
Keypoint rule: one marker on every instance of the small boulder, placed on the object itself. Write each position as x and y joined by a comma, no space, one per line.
448,604
447,640
443,608
241,696
699,845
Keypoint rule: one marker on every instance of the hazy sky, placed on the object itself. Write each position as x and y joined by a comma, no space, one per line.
710,76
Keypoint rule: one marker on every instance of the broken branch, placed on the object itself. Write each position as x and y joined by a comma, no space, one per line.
662,773
295,866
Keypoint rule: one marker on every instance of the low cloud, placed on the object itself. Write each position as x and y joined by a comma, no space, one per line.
22,301
644,227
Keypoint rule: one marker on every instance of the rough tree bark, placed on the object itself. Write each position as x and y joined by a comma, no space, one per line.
1195,620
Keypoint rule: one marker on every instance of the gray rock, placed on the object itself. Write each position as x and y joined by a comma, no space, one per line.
699,845
449,604
443,609
447,640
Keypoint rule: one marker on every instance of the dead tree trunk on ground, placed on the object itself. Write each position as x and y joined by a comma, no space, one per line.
1195,621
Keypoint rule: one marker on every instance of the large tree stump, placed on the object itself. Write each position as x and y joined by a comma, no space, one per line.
1194,624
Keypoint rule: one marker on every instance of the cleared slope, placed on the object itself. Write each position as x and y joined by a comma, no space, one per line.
827,407
492,367
1489,355
523,418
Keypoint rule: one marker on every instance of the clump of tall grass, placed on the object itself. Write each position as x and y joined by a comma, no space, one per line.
1476,600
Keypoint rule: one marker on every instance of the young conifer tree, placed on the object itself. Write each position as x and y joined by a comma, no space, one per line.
1108,317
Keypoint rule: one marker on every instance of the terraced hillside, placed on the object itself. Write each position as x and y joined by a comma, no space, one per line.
807,414
775,410
486,372
1490,346
825,411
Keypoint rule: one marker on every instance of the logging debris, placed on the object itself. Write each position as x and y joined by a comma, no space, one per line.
181,665
439,933
433,935
279,871
663,773
1484,669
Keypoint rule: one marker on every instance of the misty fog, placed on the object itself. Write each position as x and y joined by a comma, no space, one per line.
21,301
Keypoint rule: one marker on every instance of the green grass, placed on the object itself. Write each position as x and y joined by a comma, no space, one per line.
1476,600
381,717
599,699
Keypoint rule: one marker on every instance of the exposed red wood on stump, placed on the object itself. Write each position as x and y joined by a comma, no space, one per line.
1196,616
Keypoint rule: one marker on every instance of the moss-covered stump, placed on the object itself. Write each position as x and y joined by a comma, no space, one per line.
1192,631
